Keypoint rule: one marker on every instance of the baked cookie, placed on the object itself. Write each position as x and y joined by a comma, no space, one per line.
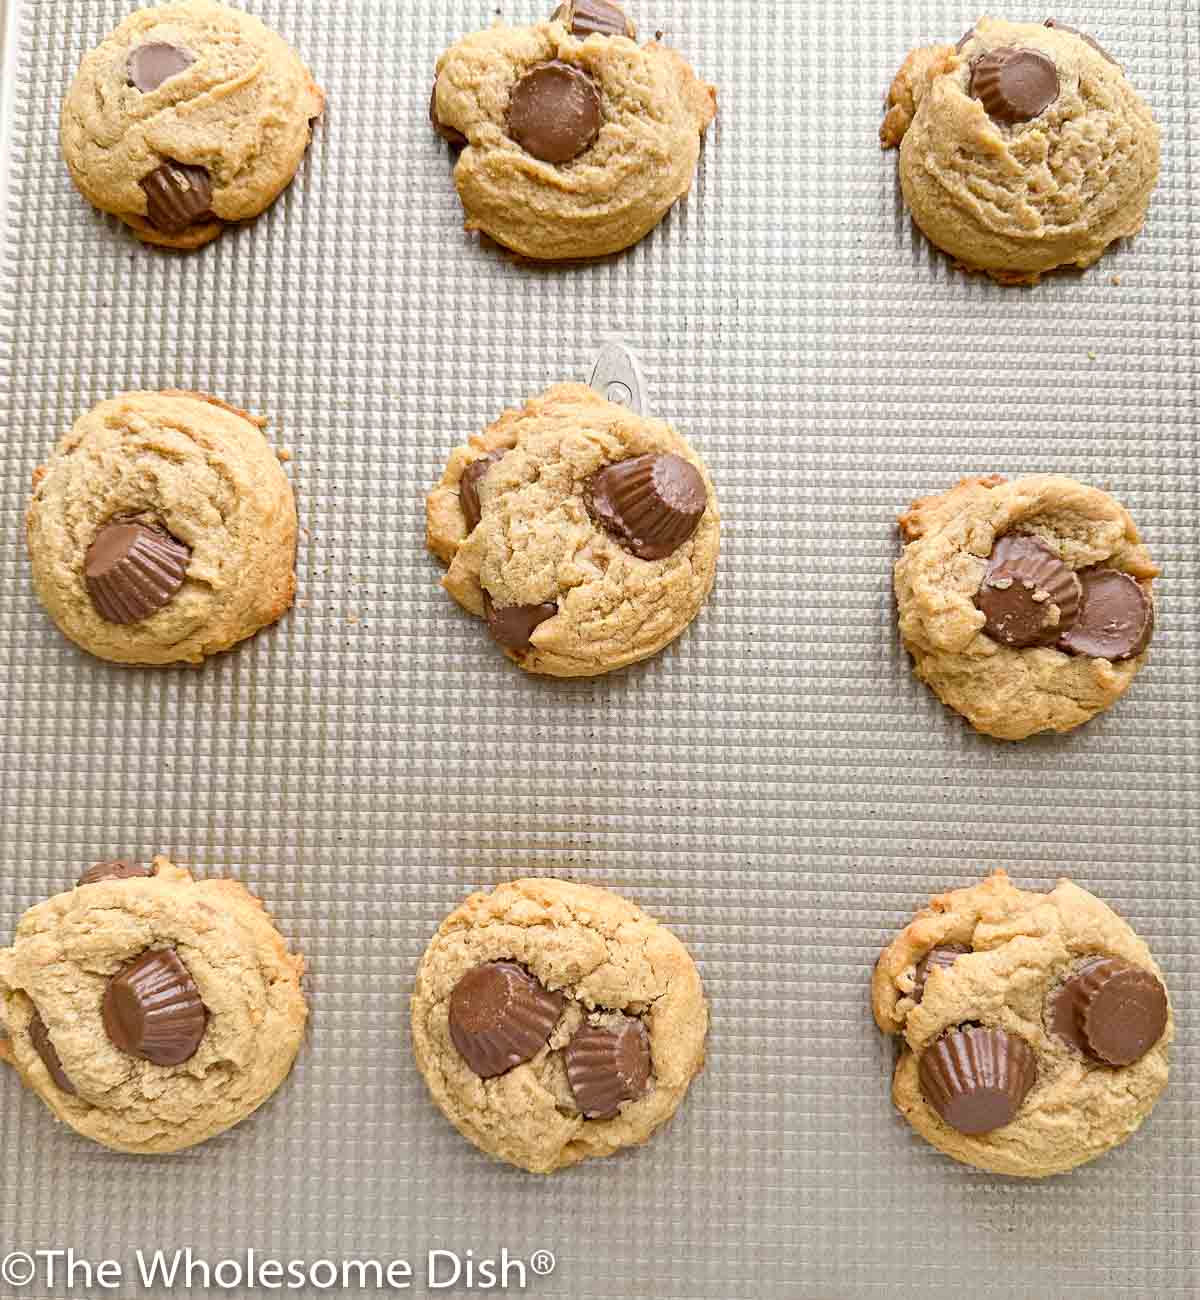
163,529
575,141
148,1010
554,1022
1022,149
1026,606
188,116
585,535
1035,1027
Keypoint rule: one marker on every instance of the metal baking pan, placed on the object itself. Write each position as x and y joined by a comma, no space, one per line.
775,785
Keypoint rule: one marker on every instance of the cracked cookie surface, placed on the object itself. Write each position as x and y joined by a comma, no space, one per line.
536,543
1017,199
195,467
66,950
1002,691
605,955
654,112
1021,945
241,109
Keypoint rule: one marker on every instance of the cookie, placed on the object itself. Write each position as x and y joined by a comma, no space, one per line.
584,535
163,529
1026,606
148,1010
1022,149
554,1022
1035,1028
188,116
575,141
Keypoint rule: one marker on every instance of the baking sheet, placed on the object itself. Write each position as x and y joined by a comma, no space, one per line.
775,785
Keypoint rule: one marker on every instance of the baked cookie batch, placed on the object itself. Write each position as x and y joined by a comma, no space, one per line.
555,1021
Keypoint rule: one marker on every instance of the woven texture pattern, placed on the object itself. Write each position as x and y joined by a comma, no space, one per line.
775,786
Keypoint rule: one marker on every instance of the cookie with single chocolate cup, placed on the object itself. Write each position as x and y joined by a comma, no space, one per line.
1034,1028
1022,148
585,535
554,1022
574,141
162,529
148,1010
187,117
1027,606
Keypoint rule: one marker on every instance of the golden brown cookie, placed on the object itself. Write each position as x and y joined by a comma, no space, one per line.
150,1011
1027,606
188,116
584,535
554,1022
1035,1027
163,529
575,141
1022,149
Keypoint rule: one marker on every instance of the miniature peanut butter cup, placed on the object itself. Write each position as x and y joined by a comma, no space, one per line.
976,1078
585,18
607,1066
650,504
513,625
149,65
1013,84
468,487
940,958
554,113
39,1036
1110,1010
448,133
118,869
500,1017
152,1009
178,195
1028,596
132,571
1116,617
1083,36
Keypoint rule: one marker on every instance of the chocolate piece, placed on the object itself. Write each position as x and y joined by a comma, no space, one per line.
940,958
1116,617
607,1066
976,1078
651,504
132,571
590,17
118,869
1110,1010
1083,36
554,113
468,487
39,1036
152,1009
513,625
178,195
1028,595
1014,85
501,1016
448,133
149,65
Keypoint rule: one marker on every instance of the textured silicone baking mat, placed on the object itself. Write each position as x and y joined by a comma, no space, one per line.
775,785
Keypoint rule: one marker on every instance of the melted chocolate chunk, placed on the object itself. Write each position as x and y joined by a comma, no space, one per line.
39,1036
149,65
513,625
468,487
118,869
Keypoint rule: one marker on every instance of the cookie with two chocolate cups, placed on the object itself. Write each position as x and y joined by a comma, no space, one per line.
575,141
1028,605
